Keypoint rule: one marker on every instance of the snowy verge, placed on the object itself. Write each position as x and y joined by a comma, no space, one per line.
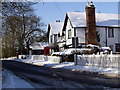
9,80
100,70
70,65
9,58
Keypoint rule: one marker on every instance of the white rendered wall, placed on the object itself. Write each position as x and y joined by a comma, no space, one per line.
50,36
80,33
110,41
68,27
118,35
102,36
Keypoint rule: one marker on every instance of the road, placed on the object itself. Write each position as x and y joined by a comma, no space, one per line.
45,77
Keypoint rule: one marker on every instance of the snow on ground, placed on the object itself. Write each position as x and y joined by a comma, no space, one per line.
9,80
10,58
73,67
0,79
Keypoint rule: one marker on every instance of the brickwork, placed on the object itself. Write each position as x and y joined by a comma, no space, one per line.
91,37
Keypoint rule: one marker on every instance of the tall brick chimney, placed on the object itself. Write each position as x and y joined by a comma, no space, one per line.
91,37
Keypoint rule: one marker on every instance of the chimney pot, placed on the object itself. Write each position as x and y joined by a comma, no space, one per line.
91,3
57,20
88,4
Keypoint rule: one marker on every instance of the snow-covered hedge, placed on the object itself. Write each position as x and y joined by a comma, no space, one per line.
111,61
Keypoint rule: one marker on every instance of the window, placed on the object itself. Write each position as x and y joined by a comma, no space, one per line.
118,47
111,33
51,38
69,34
58,34
55,38
111,47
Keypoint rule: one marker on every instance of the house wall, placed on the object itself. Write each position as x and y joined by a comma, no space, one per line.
110,41
50,36
102,33
80,33
61,44
54,37
69,27
51,43
118,35
0,46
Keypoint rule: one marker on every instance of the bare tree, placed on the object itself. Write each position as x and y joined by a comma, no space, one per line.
19,19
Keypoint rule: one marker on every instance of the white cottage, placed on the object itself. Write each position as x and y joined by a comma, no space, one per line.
56,38
89,27
106,25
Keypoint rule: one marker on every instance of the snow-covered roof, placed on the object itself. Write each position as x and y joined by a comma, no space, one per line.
105,48
93,46
38,45
56,27
78,19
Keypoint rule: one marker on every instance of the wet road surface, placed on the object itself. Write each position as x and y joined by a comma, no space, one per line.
45,77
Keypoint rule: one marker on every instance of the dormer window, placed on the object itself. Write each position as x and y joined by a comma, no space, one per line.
91,3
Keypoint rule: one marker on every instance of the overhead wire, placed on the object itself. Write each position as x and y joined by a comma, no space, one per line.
42,1
58,8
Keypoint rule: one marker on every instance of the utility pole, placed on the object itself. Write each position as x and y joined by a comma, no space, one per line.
106,36
75,54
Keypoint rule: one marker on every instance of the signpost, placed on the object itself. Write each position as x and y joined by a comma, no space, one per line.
75,45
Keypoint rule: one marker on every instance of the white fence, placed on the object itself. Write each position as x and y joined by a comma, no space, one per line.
25,56
46,58
112,61
56,59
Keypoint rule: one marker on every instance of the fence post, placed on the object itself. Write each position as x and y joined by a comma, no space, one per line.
75,59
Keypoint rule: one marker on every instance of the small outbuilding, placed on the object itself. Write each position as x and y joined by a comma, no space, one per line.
37,48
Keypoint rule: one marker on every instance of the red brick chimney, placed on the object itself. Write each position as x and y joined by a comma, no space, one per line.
91,37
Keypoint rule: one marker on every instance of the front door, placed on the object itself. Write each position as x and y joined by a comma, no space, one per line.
118,47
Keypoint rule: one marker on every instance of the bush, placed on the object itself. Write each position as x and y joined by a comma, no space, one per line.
69,58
